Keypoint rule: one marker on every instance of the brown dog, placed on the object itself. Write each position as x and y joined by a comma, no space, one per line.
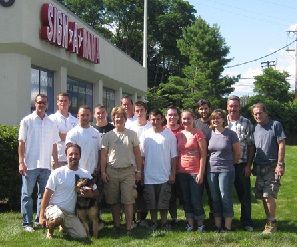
87,208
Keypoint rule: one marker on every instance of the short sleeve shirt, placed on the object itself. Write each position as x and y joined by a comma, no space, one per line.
266,141
89,139
120,147
220,148
189,151
39,136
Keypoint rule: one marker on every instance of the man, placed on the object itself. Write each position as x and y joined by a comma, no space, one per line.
88,138
244,130
203,108
159,150
269,164
100,115
172,123
120,167
65,122
139,126
38,138
58,202
127,103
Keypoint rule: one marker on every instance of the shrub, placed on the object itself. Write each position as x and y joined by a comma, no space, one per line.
10,181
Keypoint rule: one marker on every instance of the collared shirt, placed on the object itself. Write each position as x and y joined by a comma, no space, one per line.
89,139
39,136
244,130
130,121
64,124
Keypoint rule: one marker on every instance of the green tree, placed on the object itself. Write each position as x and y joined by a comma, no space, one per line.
273,85
207,53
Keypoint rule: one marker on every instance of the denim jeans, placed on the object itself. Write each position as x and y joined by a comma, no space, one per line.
221,185
192,194
243,188
39,176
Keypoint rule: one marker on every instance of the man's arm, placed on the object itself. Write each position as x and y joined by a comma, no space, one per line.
236,152
138,160
173,169
203,154
280,170
55,156
104,154
250,157
22,165
45,200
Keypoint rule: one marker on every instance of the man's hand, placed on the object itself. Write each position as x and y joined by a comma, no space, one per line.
172,179
104,177
137,176
247,171
23,168
279,170
42,221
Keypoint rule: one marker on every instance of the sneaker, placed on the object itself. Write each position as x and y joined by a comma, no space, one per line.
166,226
248,228
225,230
37,225
201,228
28,228
189,228
270,227
143,223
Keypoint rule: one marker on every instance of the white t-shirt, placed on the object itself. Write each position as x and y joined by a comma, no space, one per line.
89,139
158,149
64,124
39,136
139,129
129,122
62,182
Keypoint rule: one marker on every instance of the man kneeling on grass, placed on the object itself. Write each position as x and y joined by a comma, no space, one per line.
59,199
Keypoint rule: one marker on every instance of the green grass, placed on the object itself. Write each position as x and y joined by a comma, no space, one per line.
11,233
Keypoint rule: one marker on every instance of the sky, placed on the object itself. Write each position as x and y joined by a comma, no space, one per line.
253,29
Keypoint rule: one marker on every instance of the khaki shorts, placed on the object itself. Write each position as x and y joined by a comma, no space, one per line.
71,224
157,196
121,187
266,185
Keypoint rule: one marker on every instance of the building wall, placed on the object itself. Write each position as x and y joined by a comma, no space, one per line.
21,47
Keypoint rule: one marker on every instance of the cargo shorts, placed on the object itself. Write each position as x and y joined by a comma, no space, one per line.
267,184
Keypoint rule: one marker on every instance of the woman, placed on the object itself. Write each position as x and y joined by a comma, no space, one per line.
192,158
120,150
224,150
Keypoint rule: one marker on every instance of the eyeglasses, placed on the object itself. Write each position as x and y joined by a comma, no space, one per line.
41,102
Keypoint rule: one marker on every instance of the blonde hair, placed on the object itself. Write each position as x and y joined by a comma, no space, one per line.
118,110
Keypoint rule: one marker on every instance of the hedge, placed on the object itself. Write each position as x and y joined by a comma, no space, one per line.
10,179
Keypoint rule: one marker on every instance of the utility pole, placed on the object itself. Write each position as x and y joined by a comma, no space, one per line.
268,64
295,33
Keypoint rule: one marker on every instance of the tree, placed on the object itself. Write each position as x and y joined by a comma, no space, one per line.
207,53
273,85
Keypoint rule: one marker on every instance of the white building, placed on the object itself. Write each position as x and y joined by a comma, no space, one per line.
44,48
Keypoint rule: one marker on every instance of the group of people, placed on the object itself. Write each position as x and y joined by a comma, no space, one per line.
142,164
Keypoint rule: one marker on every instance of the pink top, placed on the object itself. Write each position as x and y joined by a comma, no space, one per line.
189,151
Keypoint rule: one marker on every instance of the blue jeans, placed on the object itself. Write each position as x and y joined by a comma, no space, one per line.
192,194
221,185
243,188
39,176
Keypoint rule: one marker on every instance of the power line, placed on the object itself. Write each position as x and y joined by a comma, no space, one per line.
257,59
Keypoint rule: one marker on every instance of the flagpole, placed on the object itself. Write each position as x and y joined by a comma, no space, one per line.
145,35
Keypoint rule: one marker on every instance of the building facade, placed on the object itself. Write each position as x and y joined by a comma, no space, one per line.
44,48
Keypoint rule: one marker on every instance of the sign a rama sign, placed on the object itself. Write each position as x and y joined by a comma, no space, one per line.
58,30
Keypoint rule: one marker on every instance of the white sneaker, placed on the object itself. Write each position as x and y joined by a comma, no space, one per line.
28,229
189,228
201,228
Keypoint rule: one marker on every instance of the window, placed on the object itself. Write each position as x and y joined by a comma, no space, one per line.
42,82
81,93
108,99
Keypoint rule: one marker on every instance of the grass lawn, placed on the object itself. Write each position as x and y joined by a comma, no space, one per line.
11,233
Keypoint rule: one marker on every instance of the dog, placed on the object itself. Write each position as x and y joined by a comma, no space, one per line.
87,208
